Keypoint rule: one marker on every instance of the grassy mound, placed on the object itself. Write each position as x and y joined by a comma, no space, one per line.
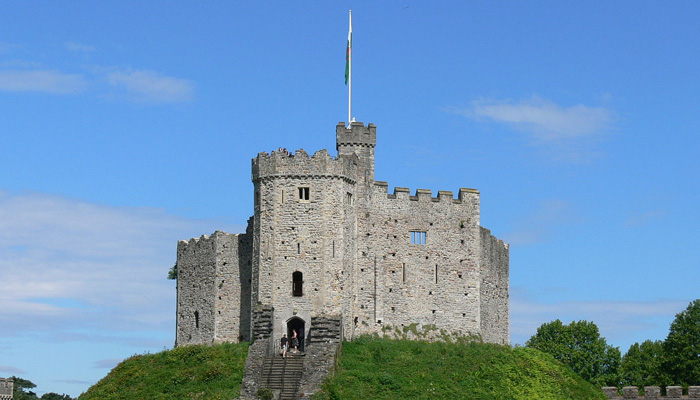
191,372
373,368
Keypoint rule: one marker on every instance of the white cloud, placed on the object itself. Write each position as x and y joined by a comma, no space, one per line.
47,81
149,86
535,227
543,119
69,265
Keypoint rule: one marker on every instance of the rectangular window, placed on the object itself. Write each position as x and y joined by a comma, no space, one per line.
418,237
304,193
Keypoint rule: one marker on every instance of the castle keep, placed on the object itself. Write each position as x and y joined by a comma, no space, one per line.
328,242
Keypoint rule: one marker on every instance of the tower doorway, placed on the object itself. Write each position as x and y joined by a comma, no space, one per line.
296,324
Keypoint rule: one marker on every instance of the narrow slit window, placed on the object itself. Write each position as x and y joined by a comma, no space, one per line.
418,237
436,273
403,272
297,284
196,319
304,193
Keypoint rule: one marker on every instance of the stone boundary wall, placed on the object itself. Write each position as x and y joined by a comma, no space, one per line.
326,339
257,352
321,164
6,388
653,392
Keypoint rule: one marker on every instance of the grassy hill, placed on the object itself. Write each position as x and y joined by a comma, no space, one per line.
378,369
184,373
369,368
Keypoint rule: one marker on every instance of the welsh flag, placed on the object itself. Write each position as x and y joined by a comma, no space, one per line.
348,50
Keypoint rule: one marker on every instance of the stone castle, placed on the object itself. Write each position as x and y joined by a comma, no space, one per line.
329,242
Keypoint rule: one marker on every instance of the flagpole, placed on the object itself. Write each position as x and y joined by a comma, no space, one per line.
349,56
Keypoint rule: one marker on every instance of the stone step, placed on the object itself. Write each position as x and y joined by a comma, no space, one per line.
283,374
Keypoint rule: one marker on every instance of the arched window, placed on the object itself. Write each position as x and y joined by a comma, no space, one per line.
297,283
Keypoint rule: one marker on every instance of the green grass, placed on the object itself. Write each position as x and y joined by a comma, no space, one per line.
377,369
190,372
369,368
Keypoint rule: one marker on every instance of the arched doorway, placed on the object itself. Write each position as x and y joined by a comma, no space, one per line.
296,324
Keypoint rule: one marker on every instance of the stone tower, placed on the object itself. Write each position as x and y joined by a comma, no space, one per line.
328,241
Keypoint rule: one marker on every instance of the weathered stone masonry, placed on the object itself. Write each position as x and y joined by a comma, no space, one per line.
328,241
6,387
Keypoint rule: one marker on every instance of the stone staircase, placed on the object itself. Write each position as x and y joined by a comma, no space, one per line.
283,374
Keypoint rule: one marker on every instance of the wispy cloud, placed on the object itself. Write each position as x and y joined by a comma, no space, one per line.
149,86
107,363
615,319
73,266
540,223
6,369
47,81
543,119
79,47
568,134
643,218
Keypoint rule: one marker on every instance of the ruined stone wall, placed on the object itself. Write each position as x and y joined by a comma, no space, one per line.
435,282
213,297
653,392
196,291
300,217
494,288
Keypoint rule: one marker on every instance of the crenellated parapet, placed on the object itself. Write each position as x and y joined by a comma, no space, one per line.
464,196
6,388
357,134
653,392
299,165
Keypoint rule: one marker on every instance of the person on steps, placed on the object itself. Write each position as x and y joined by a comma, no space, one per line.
295,340
283,345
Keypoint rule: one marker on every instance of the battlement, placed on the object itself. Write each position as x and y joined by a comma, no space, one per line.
653,392
426,195
299,165
6,387
203,240
356,135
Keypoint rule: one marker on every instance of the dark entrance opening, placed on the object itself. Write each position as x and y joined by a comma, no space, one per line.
296,324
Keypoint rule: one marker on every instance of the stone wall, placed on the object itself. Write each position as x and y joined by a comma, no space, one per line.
494,289
6,388
325,337
434,283
653,392
213,289
258,351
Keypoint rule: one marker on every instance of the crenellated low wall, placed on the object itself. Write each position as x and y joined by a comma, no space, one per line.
653,392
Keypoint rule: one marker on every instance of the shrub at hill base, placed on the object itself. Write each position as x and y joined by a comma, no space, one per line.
190,372
376,368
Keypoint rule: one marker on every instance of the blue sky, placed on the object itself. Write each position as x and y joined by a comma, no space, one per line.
126,126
